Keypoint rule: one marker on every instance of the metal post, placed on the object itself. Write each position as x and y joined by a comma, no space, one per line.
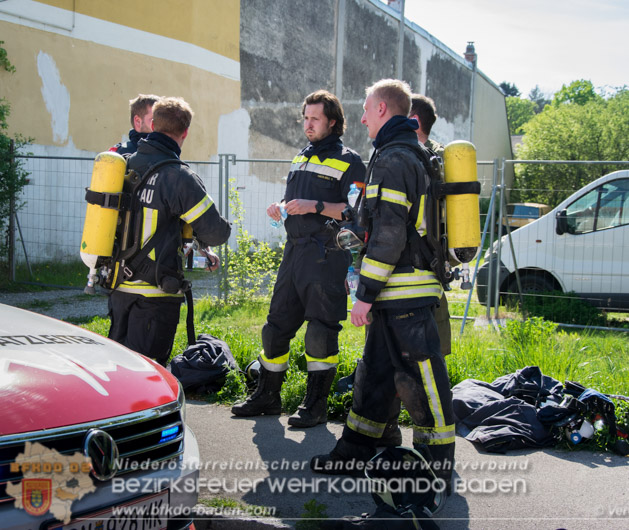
501,170
11,249
223,176
400,44
488,222
492,260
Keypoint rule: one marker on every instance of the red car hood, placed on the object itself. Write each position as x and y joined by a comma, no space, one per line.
54,374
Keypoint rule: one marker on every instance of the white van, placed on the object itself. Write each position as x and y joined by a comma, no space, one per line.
581,246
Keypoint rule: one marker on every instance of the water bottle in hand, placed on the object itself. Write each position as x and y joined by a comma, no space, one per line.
277,224
352,282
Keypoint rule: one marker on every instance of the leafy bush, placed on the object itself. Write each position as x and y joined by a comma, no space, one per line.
12,176
252,266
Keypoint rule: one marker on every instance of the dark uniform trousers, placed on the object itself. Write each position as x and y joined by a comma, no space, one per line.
402,357
144,324
310,287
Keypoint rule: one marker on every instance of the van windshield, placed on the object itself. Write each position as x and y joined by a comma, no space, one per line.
521,210
604,207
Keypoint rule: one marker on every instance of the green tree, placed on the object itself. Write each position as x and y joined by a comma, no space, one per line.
509,89
519,111
594,130
538,97
12,176
579,92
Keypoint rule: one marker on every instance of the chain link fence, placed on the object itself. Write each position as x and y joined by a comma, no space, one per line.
48,226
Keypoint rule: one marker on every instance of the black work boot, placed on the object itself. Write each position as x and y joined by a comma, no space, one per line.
345,459
441,461
266,399
313,409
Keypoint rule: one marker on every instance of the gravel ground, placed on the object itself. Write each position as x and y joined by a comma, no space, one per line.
70,304
62,304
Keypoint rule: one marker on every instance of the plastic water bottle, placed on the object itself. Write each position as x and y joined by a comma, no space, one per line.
353,194
352,282
277,224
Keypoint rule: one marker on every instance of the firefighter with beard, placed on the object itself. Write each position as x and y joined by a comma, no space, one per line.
310,282
402,349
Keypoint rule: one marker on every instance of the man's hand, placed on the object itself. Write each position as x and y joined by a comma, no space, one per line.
273,211
360,313
212,258
300,206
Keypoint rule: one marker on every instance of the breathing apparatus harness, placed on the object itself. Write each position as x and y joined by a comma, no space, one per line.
428,251
129,260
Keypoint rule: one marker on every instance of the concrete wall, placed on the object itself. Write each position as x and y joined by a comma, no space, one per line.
289,48
244,66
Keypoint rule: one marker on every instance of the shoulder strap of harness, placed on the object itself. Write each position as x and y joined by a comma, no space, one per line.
134,256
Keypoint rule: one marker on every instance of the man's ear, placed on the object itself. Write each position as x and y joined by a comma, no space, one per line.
382,108
184,135
152,126
137,122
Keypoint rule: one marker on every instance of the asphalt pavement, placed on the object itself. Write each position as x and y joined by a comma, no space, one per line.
263,464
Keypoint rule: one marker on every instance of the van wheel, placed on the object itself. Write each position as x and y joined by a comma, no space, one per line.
532,283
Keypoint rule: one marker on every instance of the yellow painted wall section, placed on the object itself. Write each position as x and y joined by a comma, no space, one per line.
211,24
97,82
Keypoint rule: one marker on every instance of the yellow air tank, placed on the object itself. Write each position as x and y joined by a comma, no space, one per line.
462,212
99,229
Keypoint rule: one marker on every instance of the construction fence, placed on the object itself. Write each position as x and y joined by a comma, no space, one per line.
48,228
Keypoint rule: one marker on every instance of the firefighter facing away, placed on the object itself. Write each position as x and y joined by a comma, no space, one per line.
310,282
144,305
402,350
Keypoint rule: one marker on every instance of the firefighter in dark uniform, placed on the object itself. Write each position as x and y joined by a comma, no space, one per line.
141,109
424,111
310,282
144,308
402,351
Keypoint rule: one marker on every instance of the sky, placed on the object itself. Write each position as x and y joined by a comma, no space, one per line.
547,43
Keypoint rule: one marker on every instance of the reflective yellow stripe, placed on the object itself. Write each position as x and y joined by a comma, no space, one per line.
198,209
277,364
396,197
361,425
420,223
409,278
332,359
330,167
372,191
415,292
432,392
149,226
145,289
376,270
434,435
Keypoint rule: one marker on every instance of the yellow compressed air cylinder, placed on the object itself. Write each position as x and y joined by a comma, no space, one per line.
99,228
462,211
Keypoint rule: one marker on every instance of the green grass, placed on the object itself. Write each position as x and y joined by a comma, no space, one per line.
598,360
50,273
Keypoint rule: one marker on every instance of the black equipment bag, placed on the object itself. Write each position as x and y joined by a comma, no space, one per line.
202,367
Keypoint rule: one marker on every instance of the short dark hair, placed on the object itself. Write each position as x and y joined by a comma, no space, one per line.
138,106
332,109
424,108
395,93
171,116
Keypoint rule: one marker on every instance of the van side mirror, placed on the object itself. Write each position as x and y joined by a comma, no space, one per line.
562,222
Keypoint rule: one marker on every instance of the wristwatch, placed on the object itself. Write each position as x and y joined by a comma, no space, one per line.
319,207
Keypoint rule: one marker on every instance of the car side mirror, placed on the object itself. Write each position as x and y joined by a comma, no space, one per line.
562,222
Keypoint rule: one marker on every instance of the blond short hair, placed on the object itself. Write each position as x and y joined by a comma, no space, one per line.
395,93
